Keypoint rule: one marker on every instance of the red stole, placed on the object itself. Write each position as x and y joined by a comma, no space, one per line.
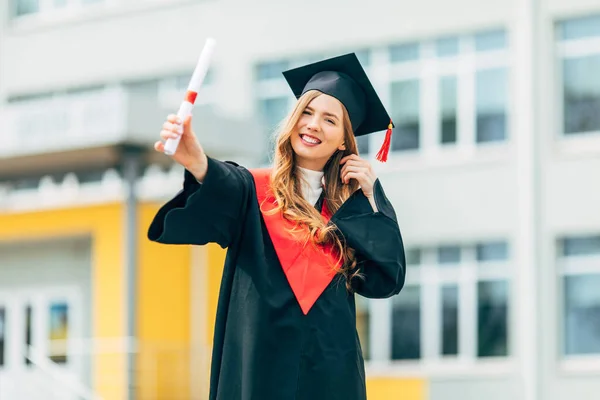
309,268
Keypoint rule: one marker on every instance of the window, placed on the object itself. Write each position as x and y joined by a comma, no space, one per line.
458,82
58,331
579,52
491,102
23,8
405,107
28,333
492,318
448,108
406,324
490,40
363,144
270,70
362,324
455,304
449,320
447,92
579,262
581,94
447,46
273,111
2,334
404,52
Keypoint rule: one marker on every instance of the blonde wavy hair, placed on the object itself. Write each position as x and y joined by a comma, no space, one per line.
286,186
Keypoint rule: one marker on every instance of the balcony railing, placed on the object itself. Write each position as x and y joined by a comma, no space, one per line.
116,115
64,123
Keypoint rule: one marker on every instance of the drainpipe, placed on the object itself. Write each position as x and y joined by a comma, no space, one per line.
526,137
131,164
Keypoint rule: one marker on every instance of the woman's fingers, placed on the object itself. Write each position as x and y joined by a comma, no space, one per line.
159,146
172,118
356,172
165,134
177,128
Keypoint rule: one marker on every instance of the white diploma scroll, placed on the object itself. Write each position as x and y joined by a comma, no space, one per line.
193,88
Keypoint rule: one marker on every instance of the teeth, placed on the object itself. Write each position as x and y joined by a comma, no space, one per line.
310,139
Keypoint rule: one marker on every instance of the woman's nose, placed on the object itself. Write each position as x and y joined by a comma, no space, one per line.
313,124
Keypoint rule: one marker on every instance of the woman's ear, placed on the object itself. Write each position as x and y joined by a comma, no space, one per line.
342,147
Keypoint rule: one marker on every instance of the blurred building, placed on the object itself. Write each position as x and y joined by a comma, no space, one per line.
495,176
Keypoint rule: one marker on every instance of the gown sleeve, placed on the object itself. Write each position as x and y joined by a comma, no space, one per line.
208,212
376,238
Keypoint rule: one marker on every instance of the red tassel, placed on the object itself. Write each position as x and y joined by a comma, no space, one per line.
382,155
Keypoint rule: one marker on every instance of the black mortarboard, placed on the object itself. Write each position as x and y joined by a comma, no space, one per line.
344,78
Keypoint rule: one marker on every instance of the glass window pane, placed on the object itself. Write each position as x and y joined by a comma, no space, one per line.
492,40
580,27
446,47
581,245
492,251
2,334
405,110
581,82
363,144
448,100
25,7
406,324
28,323
271,70
448,254
272,112
582,314
364,56
404,52
492,319
58,332
362,324
413,257
450,320
491,99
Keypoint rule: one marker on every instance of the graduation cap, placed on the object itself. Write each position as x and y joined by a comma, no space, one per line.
344,78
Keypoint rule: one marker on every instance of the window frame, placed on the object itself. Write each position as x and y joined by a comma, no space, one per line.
428,68
576,142
430,276
569,266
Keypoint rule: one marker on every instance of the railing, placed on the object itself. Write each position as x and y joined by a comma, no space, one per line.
54,381
64,122
161,370
154,184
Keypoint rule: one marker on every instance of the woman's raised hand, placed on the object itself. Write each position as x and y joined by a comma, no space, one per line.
189,152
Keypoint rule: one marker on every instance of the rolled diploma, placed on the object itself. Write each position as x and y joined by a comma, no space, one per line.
185,109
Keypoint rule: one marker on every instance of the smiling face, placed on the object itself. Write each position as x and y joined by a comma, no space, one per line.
319,132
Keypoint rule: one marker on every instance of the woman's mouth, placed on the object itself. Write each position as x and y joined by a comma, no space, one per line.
309,140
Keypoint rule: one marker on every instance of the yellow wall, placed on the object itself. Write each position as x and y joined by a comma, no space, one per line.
395,388
164,277
164,315
104,225
377,388
163,295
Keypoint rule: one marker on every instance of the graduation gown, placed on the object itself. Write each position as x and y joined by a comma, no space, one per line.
265,347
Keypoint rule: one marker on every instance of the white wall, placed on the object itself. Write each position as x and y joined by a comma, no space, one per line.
162,40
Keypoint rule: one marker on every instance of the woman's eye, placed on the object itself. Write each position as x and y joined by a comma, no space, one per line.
332,122
306,112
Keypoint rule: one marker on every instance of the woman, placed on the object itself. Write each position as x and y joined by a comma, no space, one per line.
302,240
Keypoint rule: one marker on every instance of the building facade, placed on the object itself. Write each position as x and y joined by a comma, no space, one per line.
494,173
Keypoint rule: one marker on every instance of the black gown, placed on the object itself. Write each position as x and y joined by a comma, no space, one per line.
265,347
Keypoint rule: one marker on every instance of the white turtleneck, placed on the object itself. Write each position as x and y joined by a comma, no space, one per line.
312,185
